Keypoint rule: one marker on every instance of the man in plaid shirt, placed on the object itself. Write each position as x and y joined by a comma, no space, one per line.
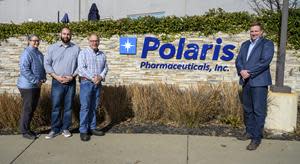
92,69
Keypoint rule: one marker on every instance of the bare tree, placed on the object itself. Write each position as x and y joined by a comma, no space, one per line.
273,5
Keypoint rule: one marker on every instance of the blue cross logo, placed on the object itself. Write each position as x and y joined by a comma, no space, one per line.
128,45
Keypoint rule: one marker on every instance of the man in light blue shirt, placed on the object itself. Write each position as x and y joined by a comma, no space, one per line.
61,63
92,69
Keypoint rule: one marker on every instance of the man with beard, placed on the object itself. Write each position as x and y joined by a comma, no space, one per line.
92,69
61,64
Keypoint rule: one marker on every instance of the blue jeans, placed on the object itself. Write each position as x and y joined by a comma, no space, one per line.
255,110
62,95
89,101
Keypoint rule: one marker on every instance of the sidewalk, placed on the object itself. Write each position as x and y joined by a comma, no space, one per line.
145,149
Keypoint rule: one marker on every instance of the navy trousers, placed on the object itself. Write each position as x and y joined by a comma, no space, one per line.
255,109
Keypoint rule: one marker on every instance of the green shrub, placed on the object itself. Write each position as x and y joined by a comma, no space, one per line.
210,23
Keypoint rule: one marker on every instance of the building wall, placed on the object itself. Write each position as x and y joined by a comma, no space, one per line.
125,69
19,11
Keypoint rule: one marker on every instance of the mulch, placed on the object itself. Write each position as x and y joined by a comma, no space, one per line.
209,129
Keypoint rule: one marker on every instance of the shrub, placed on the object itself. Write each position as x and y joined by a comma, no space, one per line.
162,103
210,23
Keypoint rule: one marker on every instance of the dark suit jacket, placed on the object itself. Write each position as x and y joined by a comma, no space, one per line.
258,63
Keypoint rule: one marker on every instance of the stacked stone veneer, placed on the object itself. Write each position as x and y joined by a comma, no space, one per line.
125,69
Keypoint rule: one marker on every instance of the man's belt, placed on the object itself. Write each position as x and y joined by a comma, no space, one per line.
83,78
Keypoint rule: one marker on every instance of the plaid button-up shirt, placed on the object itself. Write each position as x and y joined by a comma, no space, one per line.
91,64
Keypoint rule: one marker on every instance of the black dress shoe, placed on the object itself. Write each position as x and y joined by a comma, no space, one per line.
253,145
32,133
97,132
29,136
244,137
84,137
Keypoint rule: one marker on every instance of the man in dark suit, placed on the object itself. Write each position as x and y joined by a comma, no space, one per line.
253,67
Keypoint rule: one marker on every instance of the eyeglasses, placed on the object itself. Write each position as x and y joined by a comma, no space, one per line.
93,40
35,40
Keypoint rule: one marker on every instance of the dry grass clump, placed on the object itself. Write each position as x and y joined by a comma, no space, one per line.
190,107
162,103
10,107
231,111
116,105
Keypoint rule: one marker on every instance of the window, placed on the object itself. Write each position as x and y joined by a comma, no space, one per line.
154,14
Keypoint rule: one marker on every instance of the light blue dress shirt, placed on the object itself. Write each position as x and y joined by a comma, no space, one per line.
251,46
31,68
62,59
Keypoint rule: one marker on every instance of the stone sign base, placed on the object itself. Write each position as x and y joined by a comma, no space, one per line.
282,112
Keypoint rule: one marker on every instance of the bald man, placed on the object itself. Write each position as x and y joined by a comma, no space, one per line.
92,67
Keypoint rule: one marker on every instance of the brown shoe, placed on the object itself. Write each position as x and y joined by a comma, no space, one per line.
244,137
252,146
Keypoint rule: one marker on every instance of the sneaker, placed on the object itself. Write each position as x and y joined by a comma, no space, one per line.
66,133
52,134
33,133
